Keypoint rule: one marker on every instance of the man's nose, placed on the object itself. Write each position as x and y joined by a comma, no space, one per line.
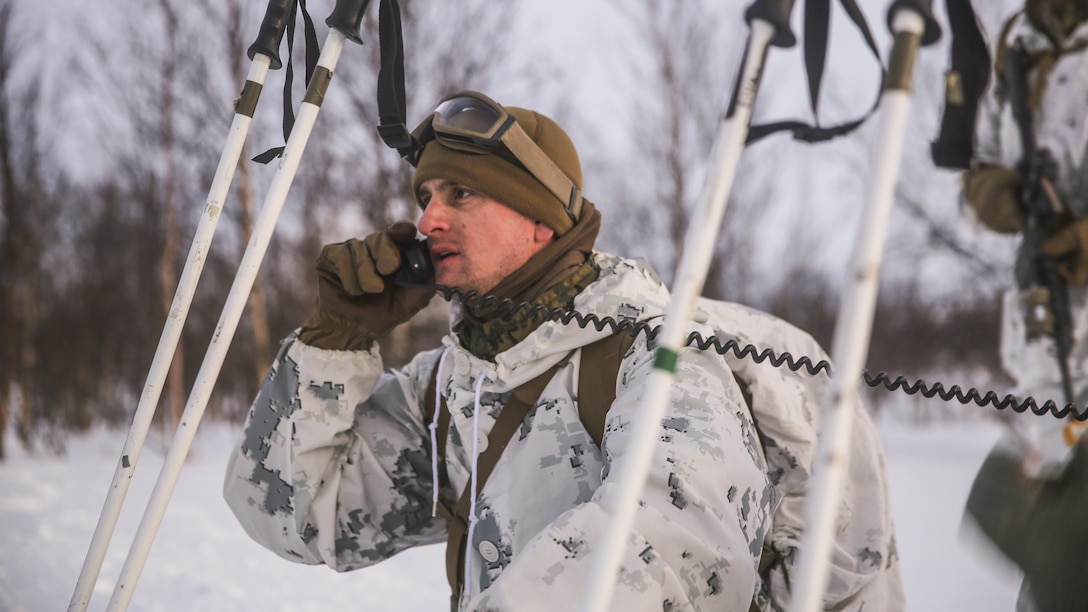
434,218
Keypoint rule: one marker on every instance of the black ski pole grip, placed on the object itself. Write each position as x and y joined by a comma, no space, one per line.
347,17
924,8
776,13
270,35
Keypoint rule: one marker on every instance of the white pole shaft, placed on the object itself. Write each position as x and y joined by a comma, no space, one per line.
160,364
698,250
851,341
224,333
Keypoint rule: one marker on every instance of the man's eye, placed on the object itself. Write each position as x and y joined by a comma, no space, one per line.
424,200
460,193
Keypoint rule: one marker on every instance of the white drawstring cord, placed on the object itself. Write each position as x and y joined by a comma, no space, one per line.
433,427
472,520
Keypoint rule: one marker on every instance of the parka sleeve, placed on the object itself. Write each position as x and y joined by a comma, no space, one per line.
700,523
334,464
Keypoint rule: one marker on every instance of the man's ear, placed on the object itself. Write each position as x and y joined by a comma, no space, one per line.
543,233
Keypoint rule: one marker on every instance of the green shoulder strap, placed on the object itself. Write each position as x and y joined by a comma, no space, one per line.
598,377
601,364
517,406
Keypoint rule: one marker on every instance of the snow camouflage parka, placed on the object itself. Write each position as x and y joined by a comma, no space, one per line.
1061,126
335,467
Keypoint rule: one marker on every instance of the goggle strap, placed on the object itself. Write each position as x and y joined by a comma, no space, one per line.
391,98
544,169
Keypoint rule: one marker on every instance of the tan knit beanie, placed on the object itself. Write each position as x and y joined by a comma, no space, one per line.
500,176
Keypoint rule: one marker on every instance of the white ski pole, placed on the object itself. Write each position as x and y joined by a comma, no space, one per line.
264,54
908,19
236,301
769,24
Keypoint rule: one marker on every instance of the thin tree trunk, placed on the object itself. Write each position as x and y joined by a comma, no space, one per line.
167,263
258,309
14,326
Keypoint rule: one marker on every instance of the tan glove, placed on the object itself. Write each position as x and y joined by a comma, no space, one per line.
356,304
993,191
1070,246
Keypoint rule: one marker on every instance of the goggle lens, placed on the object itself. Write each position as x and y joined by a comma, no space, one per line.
468,115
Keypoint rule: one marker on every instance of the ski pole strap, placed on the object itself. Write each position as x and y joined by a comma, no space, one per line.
392,111
816,27
966,80
312,54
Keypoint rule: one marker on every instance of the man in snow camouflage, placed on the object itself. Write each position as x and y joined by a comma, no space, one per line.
1022,494
341,463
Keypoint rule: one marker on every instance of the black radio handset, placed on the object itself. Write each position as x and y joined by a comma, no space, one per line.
415,266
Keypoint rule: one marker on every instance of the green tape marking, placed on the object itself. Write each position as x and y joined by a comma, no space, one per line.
666,359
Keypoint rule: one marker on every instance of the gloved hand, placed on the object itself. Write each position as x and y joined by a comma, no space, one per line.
356,304
993,191
1070,246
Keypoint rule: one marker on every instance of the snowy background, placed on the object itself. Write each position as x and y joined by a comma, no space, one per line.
202,560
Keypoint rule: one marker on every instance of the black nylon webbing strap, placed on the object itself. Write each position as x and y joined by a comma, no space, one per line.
965,82
817,25
392,105
312,55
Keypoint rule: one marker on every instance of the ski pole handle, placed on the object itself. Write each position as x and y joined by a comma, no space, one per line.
269,37
347,18
924,9
775,13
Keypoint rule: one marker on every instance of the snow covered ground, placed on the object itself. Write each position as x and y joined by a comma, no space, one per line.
201,559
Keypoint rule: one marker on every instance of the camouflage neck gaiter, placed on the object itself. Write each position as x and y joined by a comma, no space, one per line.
550,280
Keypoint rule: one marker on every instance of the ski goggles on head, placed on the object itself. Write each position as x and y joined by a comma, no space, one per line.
473,123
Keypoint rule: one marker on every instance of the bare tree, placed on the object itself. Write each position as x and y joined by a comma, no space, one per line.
168,274
234,31
20,247
153,89
685,76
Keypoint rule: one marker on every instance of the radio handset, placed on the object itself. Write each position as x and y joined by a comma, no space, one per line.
415,266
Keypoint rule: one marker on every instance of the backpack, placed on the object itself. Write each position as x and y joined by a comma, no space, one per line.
786,425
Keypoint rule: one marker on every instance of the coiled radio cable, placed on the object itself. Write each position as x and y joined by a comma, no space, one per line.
695,339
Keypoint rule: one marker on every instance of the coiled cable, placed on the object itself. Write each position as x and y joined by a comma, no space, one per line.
508,307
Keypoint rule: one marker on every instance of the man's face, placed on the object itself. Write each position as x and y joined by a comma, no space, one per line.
475,241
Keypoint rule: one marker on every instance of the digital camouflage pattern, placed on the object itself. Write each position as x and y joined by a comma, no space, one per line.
334,467
1061,126
786,405
490,337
